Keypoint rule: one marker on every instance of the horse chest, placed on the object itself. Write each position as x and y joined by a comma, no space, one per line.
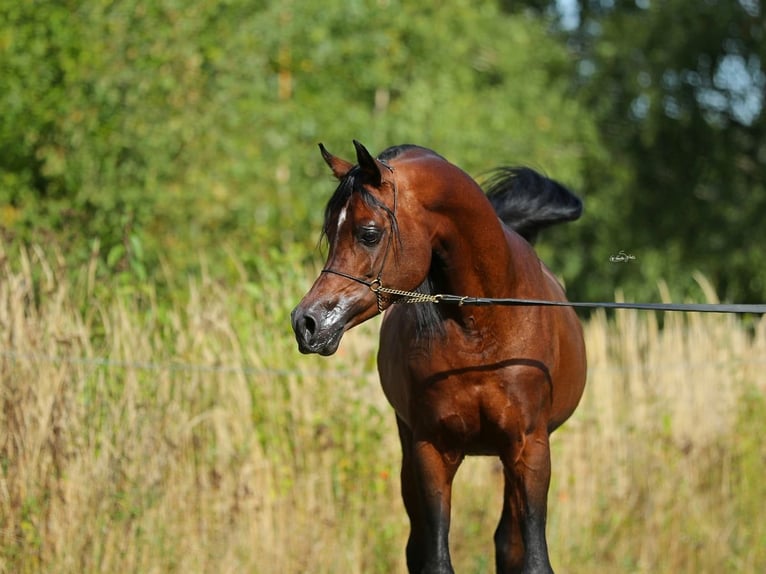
459,402
460,388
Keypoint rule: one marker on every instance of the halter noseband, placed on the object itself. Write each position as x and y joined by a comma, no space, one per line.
376,284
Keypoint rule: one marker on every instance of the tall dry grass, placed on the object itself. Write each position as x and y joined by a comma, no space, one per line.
182,432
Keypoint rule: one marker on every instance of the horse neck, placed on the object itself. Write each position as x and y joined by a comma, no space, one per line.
474,255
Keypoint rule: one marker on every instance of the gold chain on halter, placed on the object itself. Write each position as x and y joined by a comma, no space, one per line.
401,295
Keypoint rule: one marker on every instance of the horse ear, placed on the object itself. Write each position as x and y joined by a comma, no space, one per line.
369,165
340,167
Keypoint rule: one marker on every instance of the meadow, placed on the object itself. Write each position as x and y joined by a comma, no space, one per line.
160,429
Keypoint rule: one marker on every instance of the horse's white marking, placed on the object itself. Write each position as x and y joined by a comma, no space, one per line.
341,217
341,221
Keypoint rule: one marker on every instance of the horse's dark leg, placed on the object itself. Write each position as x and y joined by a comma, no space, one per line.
415,543
509,544
534,467
426,489
528,473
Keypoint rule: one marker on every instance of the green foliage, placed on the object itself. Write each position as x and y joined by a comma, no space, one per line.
162,130
182,127
102,102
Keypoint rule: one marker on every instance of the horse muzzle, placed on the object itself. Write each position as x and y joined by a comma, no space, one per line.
317,330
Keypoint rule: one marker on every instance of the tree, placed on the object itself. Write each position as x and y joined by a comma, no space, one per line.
177,128
678,87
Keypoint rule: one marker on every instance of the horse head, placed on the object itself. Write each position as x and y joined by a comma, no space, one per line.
370,242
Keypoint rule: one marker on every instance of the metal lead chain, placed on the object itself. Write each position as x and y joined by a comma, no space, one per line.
385,293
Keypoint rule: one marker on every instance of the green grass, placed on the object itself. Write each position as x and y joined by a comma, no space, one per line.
152,429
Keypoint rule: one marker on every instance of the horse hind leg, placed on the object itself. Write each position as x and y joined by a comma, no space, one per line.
509,543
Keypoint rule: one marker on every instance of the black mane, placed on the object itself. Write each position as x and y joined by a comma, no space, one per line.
397,150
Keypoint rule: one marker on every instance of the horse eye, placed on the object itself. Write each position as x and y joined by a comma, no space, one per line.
370,236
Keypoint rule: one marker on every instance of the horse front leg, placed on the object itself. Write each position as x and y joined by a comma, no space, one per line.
427,476
534,467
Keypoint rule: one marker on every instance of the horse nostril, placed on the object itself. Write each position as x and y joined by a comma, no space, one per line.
309,325
305,325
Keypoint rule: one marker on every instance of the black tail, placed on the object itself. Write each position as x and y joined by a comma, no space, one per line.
528,202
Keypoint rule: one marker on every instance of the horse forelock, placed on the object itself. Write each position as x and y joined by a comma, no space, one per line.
338,200
352,183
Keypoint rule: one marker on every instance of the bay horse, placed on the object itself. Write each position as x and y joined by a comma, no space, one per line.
462,380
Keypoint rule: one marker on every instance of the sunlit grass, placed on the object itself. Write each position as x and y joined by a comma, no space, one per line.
183,432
